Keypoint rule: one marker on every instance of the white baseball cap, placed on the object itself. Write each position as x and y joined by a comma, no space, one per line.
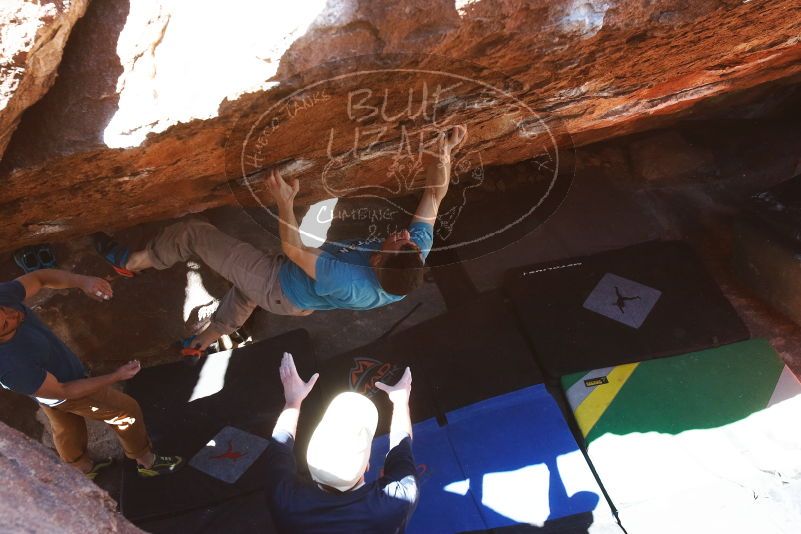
339,449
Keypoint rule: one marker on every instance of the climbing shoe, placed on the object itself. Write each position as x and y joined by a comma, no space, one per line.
97,467
113,252
162,465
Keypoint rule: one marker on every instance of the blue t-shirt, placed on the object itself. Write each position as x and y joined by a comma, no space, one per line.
33,351
344,276
299,505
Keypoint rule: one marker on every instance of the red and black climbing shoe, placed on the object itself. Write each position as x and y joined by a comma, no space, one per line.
162,465
191,351
113,252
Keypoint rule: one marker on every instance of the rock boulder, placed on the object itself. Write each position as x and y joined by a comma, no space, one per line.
32,38
529,78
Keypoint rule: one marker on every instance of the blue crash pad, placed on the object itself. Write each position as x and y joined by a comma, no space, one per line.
501,462
437,510
522,462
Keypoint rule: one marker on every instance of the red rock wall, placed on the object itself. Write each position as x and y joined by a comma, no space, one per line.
602,68
32,37
41,494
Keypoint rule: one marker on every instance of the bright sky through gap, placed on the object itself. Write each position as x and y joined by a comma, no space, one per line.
182,58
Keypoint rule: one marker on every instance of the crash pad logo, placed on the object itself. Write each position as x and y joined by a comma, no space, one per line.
364,134
593,382
229,454
367,371
622,300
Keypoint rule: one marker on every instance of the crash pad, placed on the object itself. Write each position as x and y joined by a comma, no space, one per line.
701,442
509,461
645,301
461,357
186,407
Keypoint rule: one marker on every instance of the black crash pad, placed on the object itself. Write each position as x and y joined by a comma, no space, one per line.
244,514
461,357
186,406
645,301
473,353
358,370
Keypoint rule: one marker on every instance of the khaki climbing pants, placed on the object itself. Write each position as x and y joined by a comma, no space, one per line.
253,273
113,407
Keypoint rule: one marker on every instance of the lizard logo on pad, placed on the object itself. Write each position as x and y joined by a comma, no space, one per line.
367,371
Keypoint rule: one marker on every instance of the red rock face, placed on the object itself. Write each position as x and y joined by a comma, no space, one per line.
32,37
41,493
579,71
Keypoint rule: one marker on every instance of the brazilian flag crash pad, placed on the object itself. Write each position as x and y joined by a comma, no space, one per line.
505,462
703,442
218,415
645,301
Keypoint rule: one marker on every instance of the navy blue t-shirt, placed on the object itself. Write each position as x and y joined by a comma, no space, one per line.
298,504
33,351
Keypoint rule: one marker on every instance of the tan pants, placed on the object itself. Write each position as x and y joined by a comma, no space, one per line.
109,405
253,273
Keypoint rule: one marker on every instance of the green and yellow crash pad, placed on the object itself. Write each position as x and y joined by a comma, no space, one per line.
702,442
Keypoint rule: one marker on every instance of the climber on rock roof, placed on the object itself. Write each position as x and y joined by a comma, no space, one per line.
360,276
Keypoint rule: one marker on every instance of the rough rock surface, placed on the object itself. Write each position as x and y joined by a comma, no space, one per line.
40,494
602,68
32,38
